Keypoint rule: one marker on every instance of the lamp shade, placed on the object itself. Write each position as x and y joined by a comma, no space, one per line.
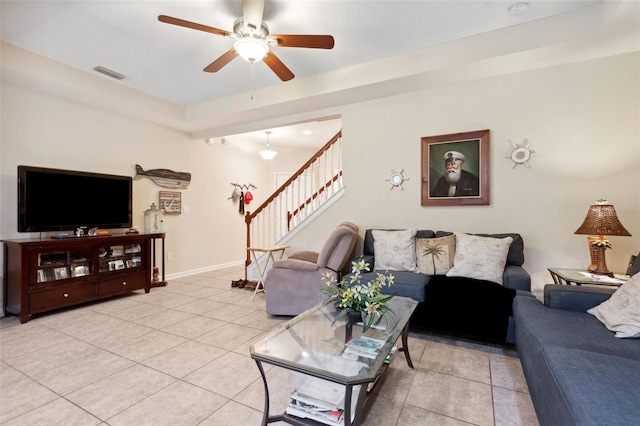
268,154
601,219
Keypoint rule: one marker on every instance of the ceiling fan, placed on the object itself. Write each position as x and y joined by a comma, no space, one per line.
253,42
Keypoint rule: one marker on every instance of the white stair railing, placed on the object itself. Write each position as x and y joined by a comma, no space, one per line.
299,197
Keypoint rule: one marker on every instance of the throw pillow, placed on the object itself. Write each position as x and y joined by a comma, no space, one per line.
395,250
435,255
482,258
621,312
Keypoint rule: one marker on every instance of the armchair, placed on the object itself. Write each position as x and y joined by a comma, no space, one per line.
295,284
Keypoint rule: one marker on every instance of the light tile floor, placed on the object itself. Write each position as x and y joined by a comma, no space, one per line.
180,356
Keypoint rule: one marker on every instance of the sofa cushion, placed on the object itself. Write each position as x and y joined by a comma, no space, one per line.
368,249
296,264
603,390
577,372
408,284
482,258
579,387
621,312
435,255
539,326
395,250
516,250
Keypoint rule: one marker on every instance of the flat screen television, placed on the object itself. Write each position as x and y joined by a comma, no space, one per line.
61,200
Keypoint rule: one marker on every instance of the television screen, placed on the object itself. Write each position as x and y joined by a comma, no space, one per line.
58,200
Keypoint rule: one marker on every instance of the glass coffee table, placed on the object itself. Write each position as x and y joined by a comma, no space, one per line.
336,365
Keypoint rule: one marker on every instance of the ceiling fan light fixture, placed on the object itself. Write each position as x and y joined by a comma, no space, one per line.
251,49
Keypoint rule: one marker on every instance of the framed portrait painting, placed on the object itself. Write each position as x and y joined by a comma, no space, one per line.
455,169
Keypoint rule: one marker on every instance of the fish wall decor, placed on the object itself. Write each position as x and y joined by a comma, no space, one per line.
164,177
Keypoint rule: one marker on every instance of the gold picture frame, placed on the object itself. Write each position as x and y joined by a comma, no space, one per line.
463,154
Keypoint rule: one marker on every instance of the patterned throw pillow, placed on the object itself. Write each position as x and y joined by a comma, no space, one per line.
621,312
481,258
395,250
435,255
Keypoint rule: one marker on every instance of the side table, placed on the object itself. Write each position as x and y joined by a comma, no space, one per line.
162,282
255,251
567,276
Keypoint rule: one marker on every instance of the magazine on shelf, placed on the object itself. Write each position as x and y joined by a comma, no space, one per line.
351,353
319,400
366,344
328,418
322,392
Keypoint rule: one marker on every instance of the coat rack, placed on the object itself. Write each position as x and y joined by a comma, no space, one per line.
239,194
242,188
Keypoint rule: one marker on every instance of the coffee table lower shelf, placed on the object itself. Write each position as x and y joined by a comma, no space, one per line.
349,418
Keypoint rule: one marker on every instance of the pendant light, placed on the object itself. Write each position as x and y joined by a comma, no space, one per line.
268,154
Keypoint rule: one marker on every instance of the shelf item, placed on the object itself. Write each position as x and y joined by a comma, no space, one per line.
41,275
364,346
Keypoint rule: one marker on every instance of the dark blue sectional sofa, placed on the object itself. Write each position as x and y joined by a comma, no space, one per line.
468,308
577,371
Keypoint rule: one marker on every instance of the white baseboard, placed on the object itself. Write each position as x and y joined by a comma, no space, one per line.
204,269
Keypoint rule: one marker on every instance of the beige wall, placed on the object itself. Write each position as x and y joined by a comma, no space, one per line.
584,121
48,131
581,118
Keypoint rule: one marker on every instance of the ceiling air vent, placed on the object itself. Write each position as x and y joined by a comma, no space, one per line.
108,72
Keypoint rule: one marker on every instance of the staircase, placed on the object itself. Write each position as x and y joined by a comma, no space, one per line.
309,191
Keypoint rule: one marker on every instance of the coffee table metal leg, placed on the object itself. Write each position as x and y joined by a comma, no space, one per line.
359,404
265,415
405,345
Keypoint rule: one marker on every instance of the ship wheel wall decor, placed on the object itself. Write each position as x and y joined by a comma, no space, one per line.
521,153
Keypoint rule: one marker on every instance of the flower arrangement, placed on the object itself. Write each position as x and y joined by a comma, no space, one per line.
353,296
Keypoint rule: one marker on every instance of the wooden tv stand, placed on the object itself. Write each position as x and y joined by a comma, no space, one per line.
41,275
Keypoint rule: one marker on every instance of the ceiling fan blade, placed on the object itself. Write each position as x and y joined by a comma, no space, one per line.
187,24
310,41
252,11
223,60
278,67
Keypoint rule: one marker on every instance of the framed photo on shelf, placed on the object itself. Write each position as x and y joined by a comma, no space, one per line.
61,273
79,271
455,169
170,202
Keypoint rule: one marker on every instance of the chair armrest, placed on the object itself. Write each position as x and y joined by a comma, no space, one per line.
306,255
295,264
575,298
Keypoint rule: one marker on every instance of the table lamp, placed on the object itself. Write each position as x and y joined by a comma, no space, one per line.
601,220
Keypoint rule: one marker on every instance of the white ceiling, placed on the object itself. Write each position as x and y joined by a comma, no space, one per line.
167,61
312,134
375,43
